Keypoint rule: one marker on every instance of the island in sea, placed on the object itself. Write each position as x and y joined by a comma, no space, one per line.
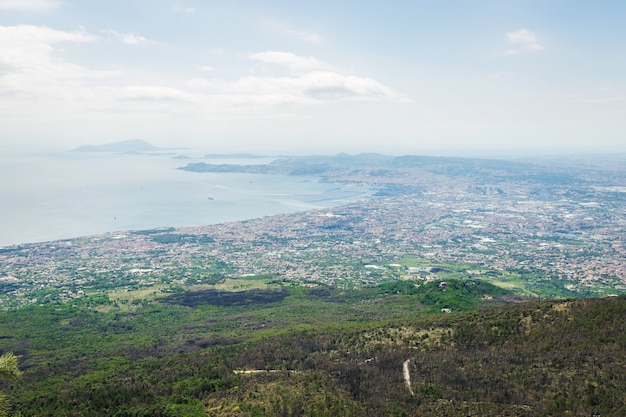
125,146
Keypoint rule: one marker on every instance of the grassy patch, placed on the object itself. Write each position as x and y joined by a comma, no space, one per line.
254,282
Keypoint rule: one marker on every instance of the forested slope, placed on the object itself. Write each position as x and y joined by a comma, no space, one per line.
318,352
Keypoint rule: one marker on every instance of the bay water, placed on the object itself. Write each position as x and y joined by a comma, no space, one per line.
50,196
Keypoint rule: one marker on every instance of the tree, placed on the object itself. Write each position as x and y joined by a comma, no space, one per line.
9,371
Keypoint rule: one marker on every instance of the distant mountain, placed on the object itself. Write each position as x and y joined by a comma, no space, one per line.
133,145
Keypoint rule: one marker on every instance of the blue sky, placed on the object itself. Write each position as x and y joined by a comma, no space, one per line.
434,77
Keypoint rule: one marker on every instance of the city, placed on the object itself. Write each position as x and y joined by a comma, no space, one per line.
540,238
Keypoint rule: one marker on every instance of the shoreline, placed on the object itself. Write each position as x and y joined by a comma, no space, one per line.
351,198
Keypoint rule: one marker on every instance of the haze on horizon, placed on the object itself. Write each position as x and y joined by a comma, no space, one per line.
421,77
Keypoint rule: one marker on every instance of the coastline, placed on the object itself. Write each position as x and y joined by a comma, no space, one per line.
69,195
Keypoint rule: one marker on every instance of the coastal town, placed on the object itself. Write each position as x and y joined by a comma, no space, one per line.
537,238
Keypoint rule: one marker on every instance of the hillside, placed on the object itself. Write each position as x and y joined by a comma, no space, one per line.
283,349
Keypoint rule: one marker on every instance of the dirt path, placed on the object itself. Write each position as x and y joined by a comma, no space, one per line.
253,371
407,375
260,371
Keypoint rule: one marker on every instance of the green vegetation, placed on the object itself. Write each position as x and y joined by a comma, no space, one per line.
473,288
284,349
8,371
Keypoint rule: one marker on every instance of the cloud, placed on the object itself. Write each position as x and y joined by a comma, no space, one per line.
522,41
207,68
331,85
307,37
289,60
151,93
29,5
312,82
38,83
127,38
182,9
27,48
313,88
24,34
33,71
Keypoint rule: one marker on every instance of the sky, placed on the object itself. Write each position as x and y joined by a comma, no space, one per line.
288,77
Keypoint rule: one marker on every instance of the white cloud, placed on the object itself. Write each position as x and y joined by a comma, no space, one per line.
312,82
32,71
29,5
29,49
30,34
312,88
207,68
127,38
150,93
522,41
289,60
331,85
182,9
307,37
38,82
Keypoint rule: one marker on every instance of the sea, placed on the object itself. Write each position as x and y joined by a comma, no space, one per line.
63,195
